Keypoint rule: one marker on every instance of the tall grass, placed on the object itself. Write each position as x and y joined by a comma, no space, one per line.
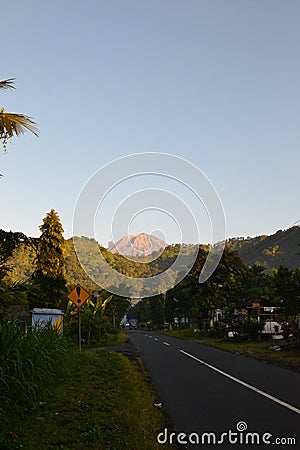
30,363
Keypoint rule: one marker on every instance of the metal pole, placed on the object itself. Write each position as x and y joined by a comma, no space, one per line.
114,318
79,329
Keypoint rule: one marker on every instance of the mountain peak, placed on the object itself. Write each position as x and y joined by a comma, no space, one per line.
137,244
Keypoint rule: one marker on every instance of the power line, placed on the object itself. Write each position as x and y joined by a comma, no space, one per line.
290,226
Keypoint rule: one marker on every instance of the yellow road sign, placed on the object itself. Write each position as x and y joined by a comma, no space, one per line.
79,295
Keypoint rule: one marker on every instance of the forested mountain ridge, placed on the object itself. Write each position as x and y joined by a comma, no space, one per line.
281,248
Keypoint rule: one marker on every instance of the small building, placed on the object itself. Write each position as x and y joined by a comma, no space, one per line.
256,309
42,317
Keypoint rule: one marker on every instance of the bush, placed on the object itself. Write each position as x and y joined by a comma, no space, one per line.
94,327
252,328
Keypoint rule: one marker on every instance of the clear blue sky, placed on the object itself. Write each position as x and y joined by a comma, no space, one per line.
215,82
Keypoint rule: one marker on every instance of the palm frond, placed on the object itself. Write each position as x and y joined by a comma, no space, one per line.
7,84
12,124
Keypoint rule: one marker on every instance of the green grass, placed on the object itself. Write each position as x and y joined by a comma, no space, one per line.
288,356
104,403
185,333
117,338
29,364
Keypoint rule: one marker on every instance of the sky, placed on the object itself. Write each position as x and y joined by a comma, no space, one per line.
214,82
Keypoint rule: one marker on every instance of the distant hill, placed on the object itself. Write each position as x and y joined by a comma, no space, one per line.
283,247
138,244
270,251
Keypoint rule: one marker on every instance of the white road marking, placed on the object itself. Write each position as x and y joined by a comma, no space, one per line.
166,343
155,339
249,386
150,337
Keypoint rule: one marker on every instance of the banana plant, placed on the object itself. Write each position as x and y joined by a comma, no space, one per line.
99,305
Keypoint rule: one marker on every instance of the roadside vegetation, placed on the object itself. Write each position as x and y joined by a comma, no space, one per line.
117,337
30,365
104,402
189,333
52,395
282,352
278,352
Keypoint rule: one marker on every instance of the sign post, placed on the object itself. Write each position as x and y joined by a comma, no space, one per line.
79,296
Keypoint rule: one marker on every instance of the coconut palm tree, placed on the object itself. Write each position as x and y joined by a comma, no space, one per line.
12,124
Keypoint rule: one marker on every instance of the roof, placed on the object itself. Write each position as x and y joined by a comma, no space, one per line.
46,311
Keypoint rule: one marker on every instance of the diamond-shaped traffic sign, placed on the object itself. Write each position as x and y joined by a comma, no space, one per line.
79,295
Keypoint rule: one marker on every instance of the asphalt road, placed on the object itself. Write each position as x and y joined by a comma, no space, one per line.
206,390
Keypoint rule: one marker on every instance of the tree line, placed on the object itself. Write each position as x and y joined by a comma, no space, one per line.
47,287
55,271
231,288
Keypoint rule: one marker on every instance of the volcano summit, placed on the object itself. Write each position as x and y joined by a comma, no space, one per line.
138,244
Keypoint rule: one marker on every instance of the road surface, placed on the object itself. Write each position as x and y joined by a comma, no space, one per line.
206,390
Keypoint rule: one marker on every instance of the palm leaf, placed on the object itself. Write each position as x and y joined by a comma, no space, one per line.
12,124
7,84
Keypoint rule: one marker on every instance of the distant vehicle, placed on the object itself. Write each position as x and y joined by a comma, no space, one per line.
133,324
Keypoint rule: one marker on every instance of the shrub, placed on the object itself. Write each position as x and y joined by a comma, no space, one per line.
251,328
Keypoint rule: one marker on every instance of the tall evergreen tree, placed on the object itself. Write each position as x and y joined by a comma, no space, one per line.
49,278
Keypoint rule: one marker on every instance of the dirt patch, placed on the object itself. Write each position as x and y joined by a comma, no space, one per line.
127,349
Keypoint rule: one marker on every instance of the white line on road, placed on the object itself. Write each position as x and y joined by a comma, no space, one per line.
249,386
150,337
166,343
155,339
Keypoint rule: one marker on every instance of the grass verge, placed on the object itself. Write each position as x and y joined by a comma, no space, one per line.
30,363
283,354
276,352
118,338
185,333
104,403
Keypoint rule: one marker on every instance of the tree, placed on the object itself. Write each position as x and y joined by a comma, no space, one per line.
9,241
256,284
48,283
287,285
116,309
12,124
11,293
